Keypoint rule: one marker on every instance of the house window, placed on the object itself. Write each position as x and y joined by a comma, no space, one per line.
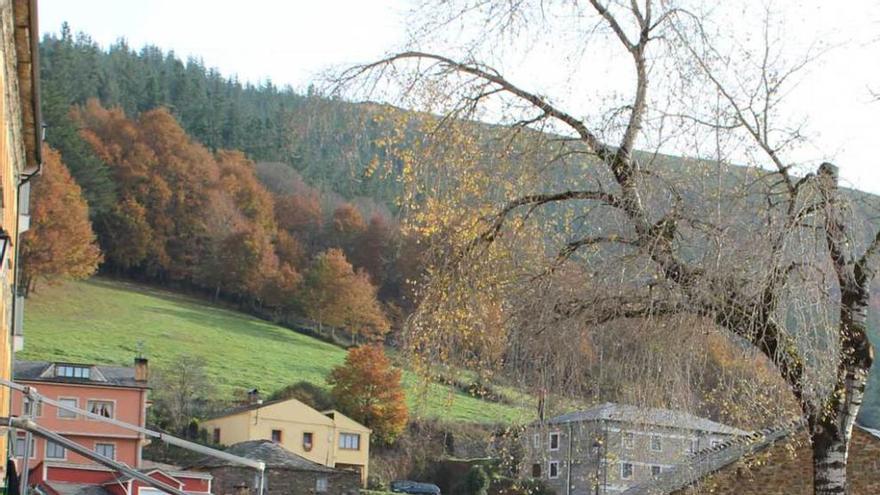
349,441
655,470
70,371
536,470
19,448
536,441
695,445
106,449
554,441
715,443
55,451
308,441
626,471
553,470
101,408
215,436
27,408
656,446
64,413
276,436
321,485
628,440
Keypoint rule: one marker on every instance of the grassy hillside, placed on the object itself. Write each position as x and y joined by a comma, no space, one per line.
102,321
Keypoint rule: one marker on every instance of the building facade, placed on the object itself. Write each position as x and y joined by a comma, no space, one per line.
20,136
328,438
114,392
611,447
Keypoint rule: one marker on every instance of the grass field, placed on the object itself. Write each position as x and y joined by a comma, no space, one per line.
102,321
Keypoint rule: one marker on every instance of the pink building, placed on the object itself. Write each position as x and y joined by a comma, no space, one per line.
114,392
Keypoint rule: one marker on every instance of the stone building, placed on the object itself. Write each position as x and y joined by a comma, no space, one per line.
776,461
286,473
611,447
20,158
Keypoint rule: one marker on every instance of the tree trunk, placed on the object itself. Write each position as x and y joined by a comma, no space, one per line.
830,438
830,435
831,427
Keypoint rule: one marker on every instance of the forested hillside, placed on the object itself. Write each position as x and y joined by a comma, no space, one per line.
328,142
250,193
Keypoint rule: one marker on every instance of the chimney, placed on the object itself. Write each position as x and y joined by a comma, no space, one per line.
141,369
253,396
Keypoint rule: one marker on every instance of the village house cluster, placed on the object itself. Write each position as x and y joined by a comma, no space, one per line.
305,451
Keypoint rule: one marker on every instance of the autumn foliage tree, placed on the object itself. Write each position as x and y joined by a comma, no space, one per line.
60,243
335,294
369,389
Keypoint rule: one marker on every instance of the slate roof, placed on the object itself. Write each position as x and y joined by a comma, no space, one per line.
646,416
874,432
275,456
106,376
708,461
243,408
64,488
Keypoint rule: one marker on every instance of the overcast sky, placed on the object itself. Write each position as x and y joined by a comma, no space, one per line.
293,41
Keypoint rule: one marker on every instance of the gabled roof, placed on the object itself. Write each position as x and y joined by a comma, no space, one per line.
275,456
646,416
105,376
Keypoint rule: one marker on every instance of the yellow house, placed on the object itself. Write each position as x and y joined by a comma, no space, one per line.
329,438
20,138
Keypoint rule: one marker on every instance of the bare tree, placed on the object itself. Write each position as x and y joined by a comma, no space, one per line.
768,254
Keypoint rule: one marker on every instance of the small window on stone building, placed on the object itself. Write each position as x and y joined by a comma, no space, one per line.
715,443
628,439
655,470
554,441
216,435
553,470
694,446
656,445
537,441
626,471
276,436
308,441
536,470
321,485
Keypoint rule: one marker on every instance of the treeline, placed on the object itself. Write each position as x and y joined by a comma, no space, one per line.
328,142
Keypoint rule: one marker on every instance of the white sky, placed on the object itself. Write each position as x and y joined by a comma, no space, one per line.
293,41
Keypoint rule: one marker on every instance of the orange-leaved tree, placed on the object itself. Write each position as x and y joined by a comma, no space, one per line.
335,294
367,388
60,243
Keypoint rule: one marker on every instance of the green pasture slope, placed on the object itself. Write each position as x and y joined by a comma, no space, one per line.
102,321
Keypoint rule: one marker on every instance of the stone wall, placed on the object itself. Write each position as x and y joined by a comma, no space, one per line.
245,481
786,469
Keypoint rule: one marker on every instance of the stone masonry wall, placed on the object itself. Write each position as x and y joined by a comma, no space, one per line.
229,480
786,469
